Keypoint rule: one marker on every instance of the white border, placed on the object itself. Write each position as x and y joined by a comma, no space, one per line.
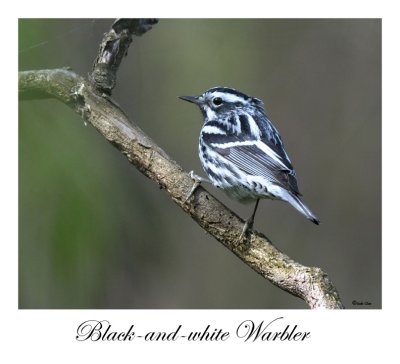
49,336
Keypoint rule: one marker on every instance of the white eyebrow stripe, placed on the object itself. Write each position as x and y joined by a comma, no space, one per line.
228,97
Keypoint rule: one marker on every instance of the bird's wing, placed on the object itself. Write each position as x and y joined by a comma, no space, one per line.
258,158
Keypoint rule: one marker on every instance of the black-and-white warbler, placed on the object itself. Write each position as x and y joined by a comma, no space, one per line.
242,152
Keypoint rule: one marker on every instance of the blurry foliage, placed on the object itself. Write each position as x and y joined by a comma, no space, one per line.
95,233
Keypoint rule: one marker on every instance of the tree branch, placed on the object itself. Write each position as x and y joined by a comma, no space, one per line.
85,97
113,48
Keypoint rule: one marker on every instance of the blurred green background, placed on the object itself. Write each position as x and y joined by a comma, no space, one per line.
95,233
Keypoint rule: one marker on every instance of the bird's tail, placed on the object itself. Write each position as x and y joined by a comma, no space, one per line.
300,206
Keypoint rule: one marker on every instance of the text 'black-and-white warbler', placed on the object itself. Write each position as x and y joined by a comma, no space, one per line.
242,152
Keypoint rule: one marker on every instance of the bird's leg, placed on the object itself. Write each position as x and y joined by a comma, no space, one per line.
197,181
249,223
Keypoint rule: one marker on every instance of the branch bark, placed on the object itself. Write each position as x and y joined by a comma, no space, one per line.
89,99
113,48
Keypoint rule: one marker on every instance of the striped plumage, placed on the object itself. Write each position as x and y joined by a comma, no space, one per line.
242,152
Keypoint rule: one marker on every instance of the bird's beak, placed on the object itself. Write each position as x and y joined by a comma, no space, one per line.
193,99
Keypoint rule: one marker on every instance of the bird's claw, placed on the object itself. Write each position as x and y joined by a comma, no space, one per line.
197,182
243,243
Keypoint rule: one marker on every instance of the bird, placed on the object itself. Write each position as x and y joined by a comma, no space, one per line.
242,152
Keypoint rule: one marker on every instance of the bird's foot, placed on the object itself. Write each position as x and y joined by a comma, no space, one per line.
243,243
197,182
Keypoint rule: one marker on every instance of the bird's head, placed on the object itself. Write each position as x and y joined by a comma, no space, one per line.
220,100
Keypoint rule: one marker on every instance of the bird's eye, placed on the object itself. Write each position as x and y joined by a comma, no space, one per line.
217,101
